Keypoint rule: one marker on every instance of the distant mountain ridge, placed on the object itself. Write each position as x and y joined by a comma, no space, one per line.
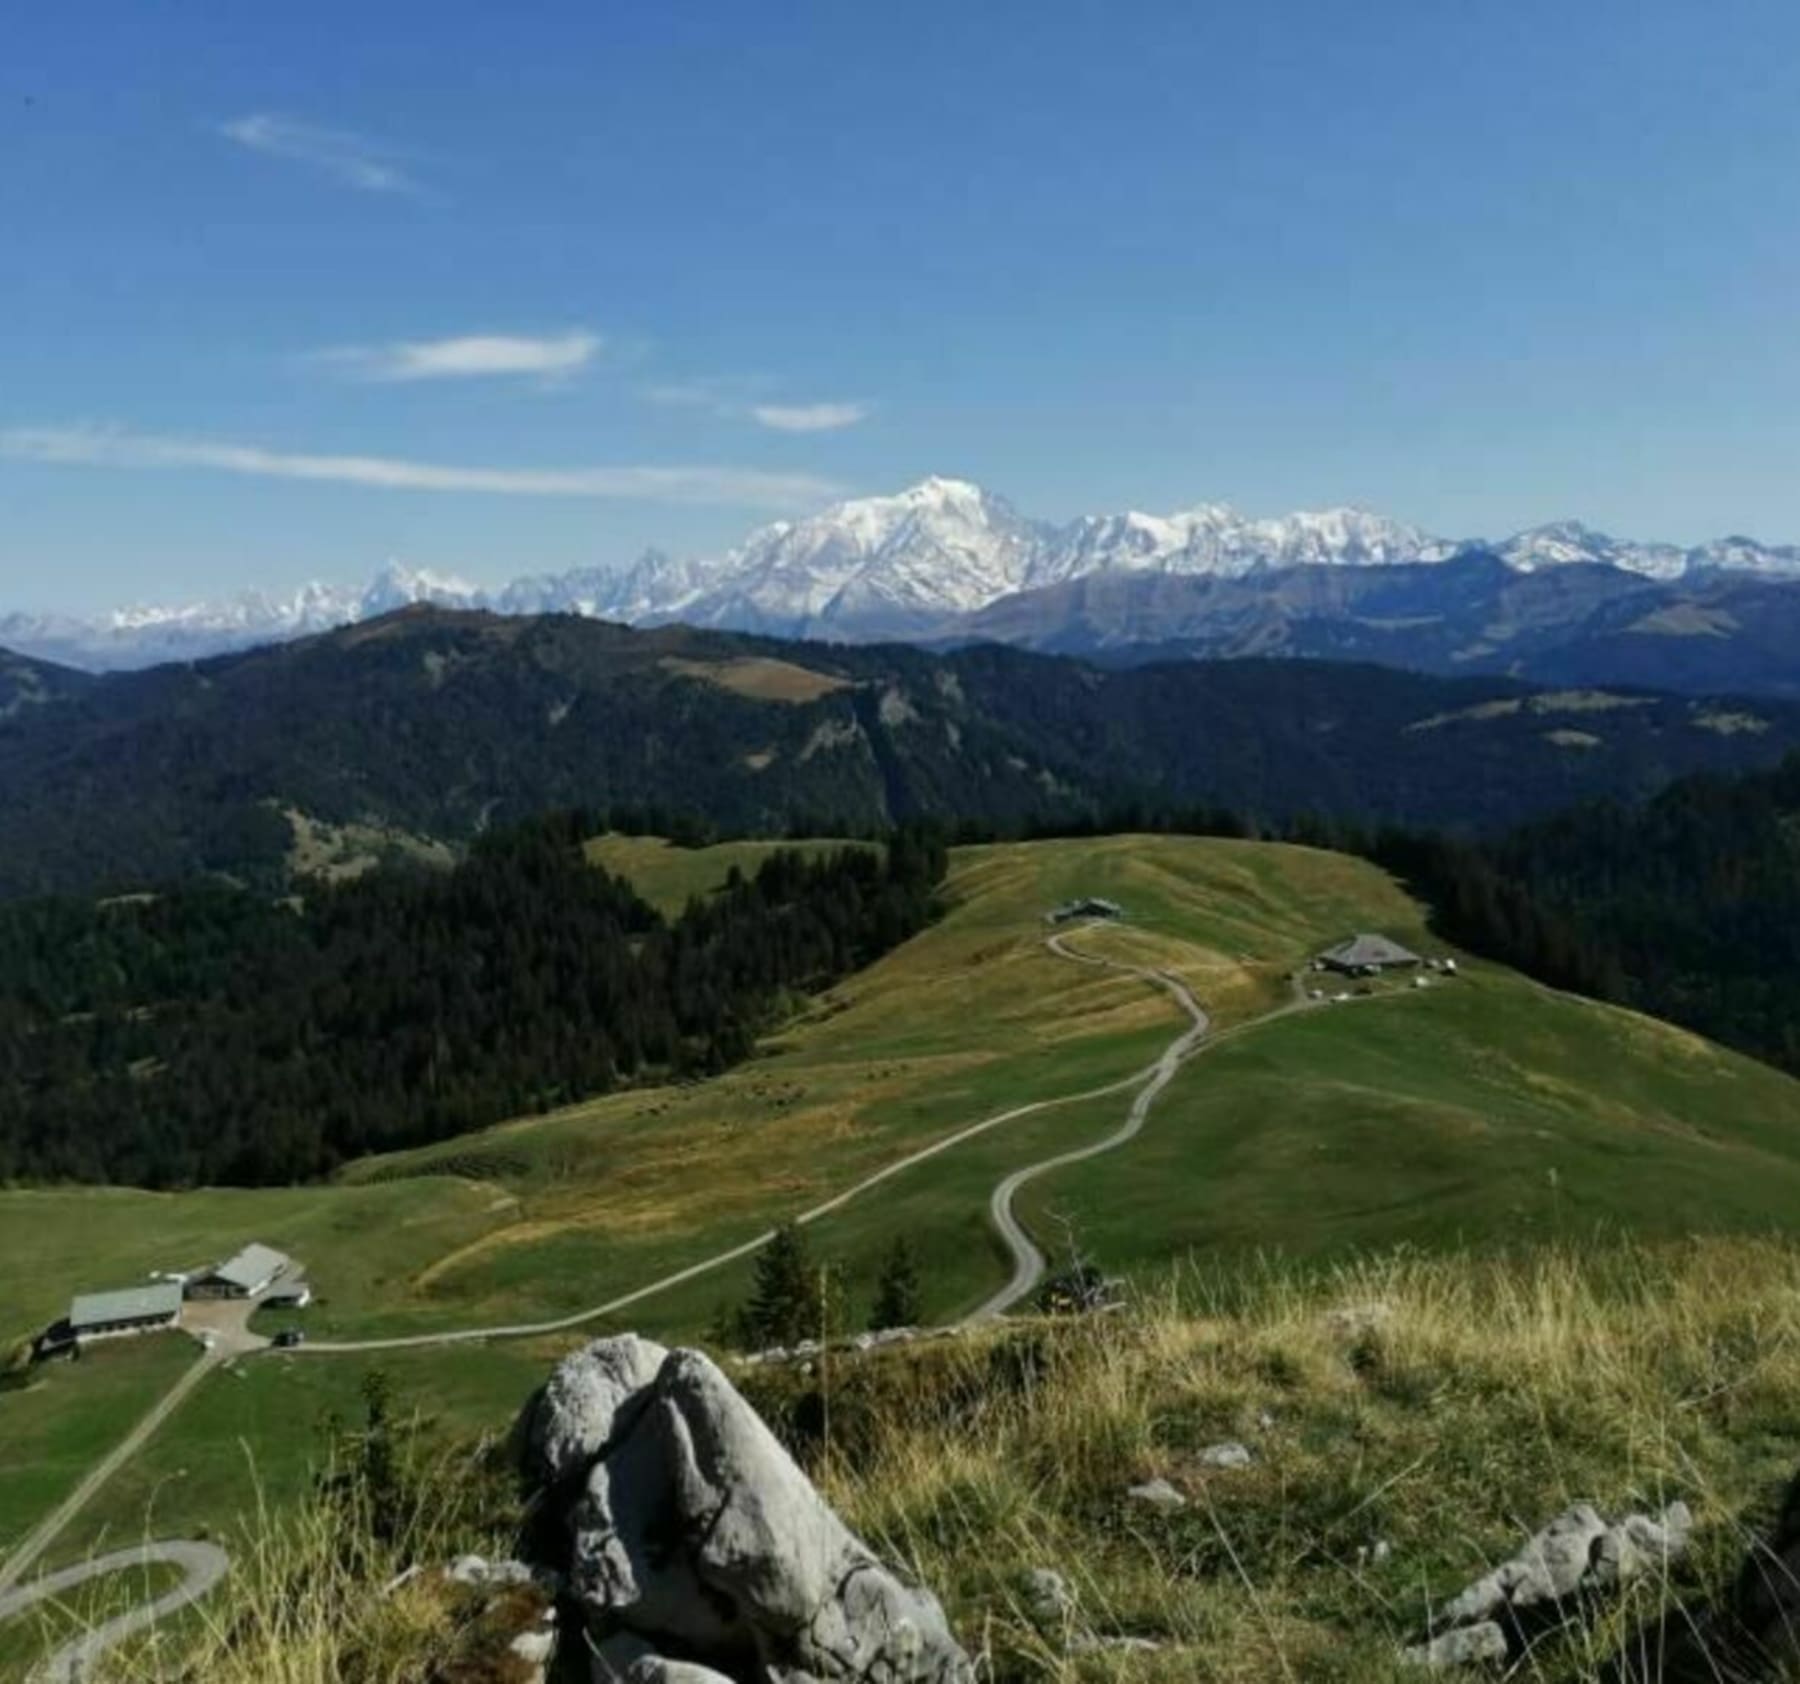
934,561
414,732
1572,623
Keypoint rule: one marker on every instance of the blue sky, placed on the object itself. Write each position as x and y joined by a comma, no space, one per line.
288,291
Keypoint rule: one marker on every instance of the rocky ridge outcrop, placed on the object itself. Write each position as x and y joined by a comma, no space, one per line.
1576,1557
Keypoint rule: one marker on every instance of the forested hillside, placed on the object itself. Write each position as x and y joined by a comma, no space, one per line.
416,732
1686,906
26,684
218,1035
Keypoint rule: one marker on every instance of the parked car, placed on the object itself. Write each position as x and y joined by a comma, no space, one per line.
289,1337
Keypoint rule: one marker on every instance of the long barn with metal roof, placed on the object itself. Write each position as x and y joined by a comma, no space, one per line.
135,1309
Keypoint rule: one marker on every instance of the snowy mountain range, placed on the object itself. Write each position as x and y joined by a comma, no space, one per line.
910,565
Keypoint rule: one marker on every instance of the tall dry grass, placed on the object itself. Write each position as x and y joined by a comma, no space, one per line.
346,1586
1411,1421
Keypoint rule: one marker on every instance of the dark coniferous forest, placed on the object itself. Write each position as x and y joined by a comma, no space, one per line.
214,1035
1686,906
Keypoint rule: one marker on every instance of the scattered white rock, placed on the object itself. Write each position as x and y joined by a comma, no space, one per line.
1230,1454
474,1570
1048,1597
1640,1544
1158,1493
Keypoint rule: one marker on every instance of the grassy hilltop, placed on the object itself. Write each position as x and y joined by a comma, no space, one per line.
1485,1112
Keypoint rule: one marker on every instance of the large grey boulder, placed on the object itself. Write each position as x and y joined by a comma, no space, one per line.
693,1531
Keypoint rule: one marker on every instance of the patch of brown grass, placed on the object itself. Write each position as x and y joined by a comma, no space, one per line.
759,678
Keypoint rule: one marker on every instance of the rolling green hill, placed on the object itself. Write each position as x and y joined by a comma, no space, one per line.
1432,1115
1482,1111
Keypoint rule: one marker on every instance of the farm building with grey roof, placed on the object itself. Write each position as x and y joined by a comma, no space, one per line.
1365,952
251,1271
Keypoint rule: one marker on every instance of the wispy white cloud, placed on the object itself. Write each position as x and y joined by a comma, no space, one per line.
352,159
809,417
473,356
723,394
734,398
119,448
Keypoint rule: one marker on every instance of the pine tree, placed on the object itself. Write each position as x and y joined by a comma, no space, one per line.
897,1288
787,1301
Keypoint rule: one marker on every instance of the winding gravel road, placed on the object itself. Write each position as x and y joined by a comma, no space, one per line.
203,1566
1028,1259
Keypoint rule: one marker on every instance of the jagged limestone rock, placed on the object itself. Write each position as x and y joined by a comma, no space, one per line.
1466,1646
1548,1568
589,1399
694,1531
1577,1556
1639,1545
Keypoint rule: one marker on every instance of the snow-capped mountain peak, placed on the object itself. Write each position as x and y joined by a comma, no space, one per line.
400,586
908,563
1566,543
872,565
